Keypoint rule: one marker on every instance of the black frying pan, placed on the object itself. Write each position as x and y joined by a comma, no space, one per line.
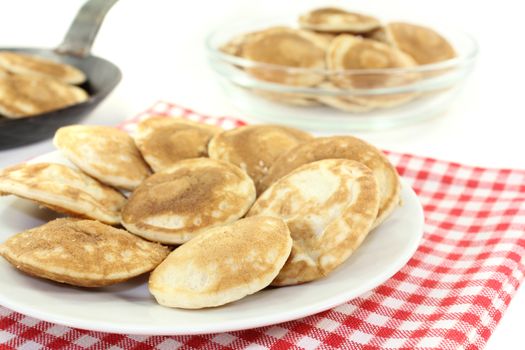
102,77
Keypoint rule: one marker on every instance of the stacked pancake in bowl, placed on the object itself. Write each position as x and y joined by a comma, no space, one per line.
215,215
337,58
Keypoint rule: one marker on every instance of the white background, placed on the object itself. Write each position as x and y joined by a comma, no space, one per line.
159,47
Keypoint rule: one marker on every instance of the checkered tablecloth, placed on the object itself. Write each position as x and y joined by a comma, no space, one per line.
450,295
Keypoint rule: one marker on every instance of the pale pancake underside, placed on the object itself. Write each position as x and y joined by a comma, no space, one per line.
82,253
345,147
282,48
37,66
104,152
177,204
348,54
330,206
63,189
336,20
223,264
164,141
254,148
25,96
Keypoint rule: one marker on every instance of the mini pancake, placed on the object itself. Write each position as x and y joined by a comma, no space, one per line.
345,147
64,190
331,19
254,148
108,154
177,204
25,96
423,44
283,48
223,264
164,141
37,66
347,52
234,45
82,253
329,206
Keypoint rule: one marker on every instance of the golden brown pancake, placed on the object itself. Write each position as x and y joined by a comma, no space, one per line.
64,190
164,141
283,48
25,95
254,148
329,206
344,147
223,264
331,19
423,44
106,153
38,66
234,45
82,253
347,52
178,203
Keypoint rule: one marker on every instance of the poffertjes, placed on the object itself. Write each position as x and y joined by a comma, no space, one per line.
329,206
164,141
178,203
223,264
83,253
24,64
344,147
106,153
63,189
284,48
423,44
254,148
24,96
331,19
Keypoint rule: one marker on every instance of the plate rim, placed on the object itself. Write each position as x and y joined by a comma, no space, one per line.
231,325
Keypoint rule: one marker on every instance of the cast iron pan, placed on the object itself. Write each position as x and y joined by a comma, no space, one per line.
102,77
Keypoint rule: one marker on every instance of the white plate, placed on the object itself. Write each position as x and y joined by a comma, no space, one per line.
129,308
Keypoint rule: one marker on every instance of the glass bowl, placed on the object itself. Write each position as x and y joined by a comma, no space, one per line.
412,94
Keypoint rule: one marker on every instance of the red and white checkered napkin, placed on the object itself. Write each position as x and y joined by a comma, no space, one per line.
451,294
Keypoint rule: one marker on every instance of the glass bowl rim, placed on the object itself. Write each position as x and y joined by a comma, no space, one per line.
458,61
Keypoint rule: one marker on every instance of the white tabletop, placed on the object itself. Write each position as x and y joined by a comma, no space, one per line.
159,47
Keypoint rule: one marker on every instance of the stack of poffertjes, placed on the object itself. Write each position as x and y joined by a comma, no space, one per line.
215,215
330,43
31,85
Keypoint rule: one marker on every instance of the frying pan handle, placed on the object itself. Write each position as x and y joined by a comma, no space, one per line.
82,32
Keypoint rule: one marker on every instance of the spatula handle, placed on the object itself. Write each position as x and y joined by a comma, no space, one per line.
82,32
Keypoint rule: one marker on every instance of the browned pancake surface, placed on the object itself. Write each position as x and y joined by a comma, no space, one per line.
254,148
24,96
38,66
332,19
82,253
423,44
106,153
178,203
164,141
